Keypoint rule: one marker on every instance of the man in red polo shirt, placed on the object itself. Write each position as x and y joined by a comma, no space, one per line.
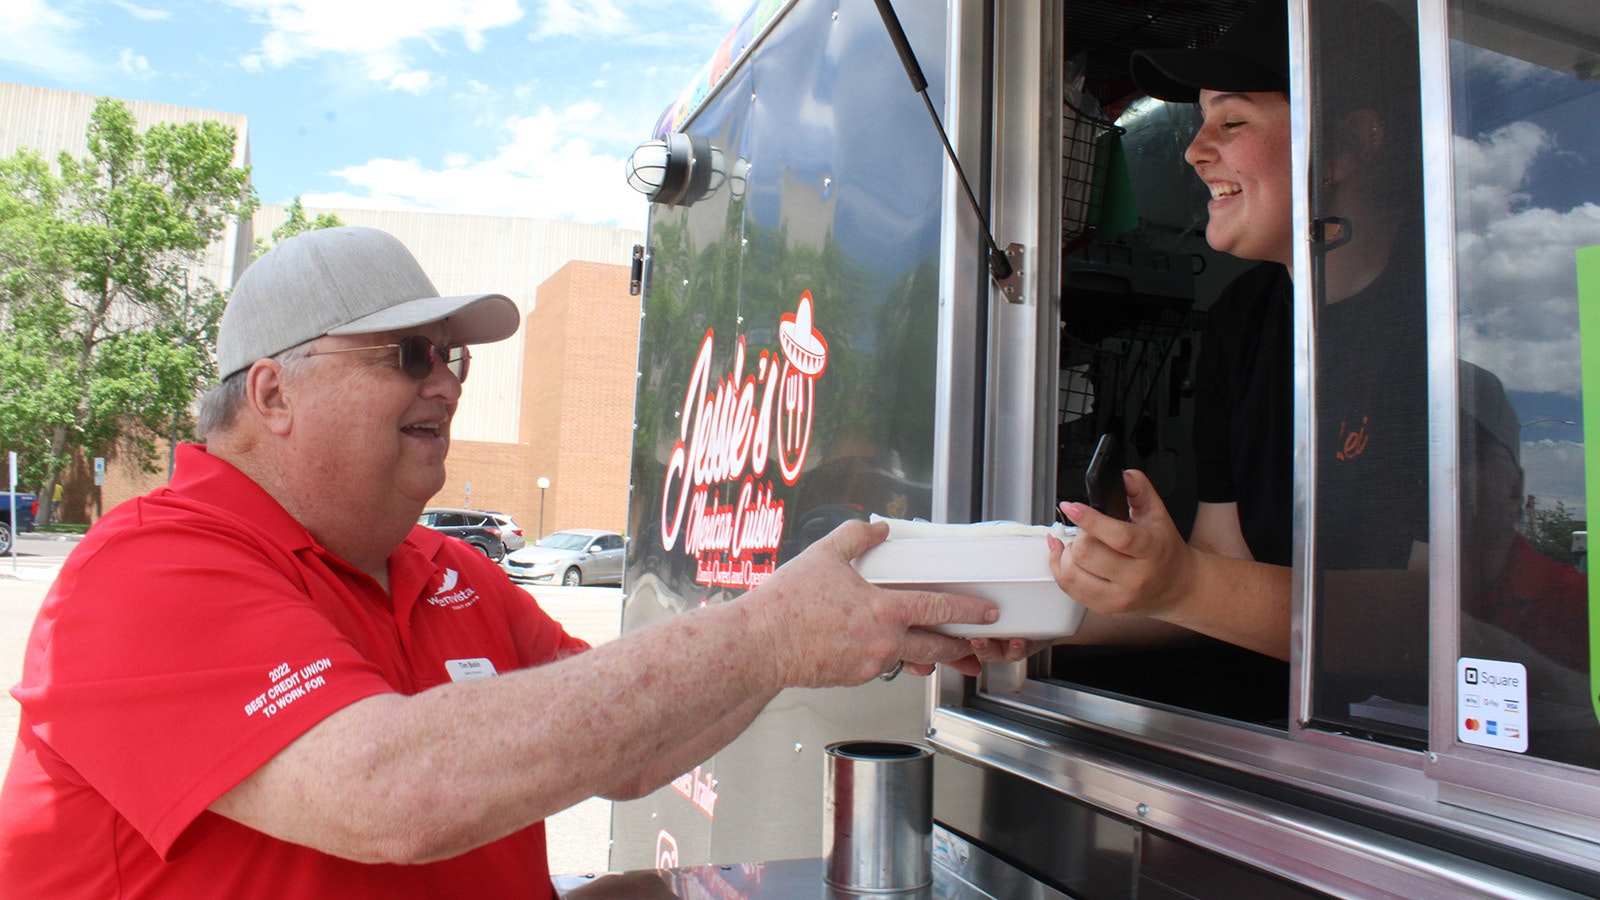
265,680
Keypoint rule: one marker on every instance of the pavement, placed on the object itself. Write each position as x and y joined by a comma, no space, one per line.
579,838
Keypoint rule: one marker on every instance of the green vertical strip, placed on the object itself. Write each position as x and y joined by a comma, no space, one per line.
1588,263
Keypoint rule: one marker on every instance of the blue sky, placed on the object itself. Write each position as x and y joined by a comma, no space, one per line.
494,107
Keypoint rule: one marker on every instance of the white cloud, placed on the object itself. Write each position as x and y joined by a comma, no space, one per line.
143,13
1517,279
729,10
540,172
1493,169
414,81
134,65
580,17
1553,471
39,36
377,32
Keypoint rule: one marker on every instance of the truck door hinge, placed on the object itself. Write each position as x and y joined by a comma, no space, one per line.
1011,285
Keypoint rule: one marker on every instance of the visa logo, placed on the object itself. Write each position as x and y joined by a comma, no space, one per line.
1512,706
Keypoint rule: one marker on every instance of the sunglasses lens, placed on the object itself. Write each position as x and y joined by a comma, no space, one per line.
416,356
456,359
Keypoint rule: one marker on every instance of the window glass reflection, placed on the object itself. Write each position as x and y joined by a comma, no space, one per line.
1370,433
1527,201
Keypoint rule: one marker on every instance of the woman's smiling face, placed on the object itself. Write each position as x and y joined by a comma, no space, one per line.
1242,154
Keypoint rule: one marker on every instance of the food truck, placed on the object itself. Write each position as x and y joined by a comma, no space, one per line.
920,259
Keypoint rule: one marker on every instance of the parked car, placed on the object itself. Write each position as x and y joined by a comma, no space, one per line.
27,508
510,532
492,533
573,557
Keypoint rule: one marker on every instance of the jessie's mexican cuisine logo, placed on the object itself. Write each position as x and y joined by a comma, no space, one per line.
717,496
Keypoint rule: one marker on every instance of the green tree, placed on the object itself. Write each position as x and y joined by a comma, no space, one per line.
108,329
297,223
1550,530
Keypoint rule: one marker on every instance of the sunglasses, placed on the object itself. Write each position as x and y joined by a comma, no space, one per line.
417,356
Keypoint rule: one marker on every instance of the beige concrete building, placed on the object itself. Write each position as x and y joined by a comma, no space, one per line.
466,254
555,400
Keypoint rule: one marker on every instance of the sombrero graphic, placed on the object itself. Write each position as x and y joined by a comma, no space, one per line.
803,345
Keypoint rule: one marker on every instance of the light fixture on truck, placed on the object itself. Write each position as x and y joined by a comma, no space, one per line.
679,170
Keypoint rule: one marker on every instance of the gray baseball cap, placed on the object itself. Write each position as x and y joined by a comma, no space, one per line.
349,280
1484,400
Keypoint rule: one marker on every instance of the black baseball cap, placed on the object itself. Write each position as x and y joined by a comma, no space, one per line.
1252,55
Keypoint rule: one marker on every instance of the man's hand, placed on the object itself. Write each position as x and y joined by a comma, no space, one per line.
1139,567
824,626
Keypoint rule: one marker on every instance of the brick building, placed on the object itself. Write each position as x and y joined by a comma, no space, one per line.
581,351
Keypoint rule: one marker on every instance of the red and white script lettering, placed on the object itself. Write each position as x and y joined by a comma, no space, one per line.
716,498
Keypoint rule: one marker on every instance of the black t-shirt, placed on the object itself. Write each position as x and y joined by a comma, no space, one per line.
1244,447
1243,413
1372,414
1370,460
1372,407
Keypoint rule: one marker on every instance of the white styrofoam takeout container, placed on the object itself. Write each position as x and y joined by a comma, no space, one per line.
1005,562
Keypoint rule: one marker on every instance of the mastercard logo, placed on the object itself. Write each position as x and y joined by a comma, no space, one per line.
1473,724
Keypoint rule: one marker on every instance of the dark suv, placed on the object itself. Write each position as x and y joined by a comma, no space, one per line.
27,507
491,532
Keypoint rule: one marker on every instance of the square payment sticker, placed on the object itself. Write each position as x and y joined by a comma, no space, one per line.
1492,704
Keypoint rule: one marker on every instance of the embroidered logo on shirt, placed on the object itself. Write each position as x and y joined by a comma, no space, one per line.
1353,443
448,596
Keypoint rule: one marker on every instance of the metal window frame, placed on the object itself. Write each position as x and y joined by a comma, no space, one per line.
1527,789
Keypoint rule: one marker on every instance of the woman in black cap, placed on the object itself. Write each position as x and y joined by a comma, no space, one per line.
1232,580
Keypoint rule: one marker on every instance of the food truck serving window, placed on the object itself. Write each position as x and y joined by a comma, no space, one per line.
1336,391
1444,324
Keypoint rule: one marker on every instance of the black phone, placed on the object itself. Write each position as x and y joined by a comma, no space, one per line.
1103,479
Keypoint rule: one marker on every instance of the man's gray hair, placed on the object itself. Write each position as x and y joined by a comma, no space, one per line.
220,405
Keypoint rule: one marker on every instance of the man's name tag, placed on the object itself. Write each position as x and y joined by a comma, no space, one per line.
468,669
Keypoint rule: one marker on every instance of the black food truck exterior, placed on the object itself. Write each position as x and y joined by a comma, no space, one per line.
826,335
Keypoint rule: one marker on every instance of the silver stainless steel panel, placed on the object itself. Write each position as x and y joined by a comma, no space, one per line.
963,281
1433,39
1304,509
1023,335
1301,845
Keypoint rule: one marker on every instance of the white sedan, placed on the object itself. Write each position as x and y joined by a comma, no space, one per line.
573,557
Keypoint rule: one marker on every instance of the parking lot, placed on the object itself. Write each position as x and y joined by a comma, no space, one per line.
578,837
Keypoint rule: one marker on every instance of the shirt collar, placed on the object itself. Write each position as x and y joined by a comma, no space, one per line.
200,476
